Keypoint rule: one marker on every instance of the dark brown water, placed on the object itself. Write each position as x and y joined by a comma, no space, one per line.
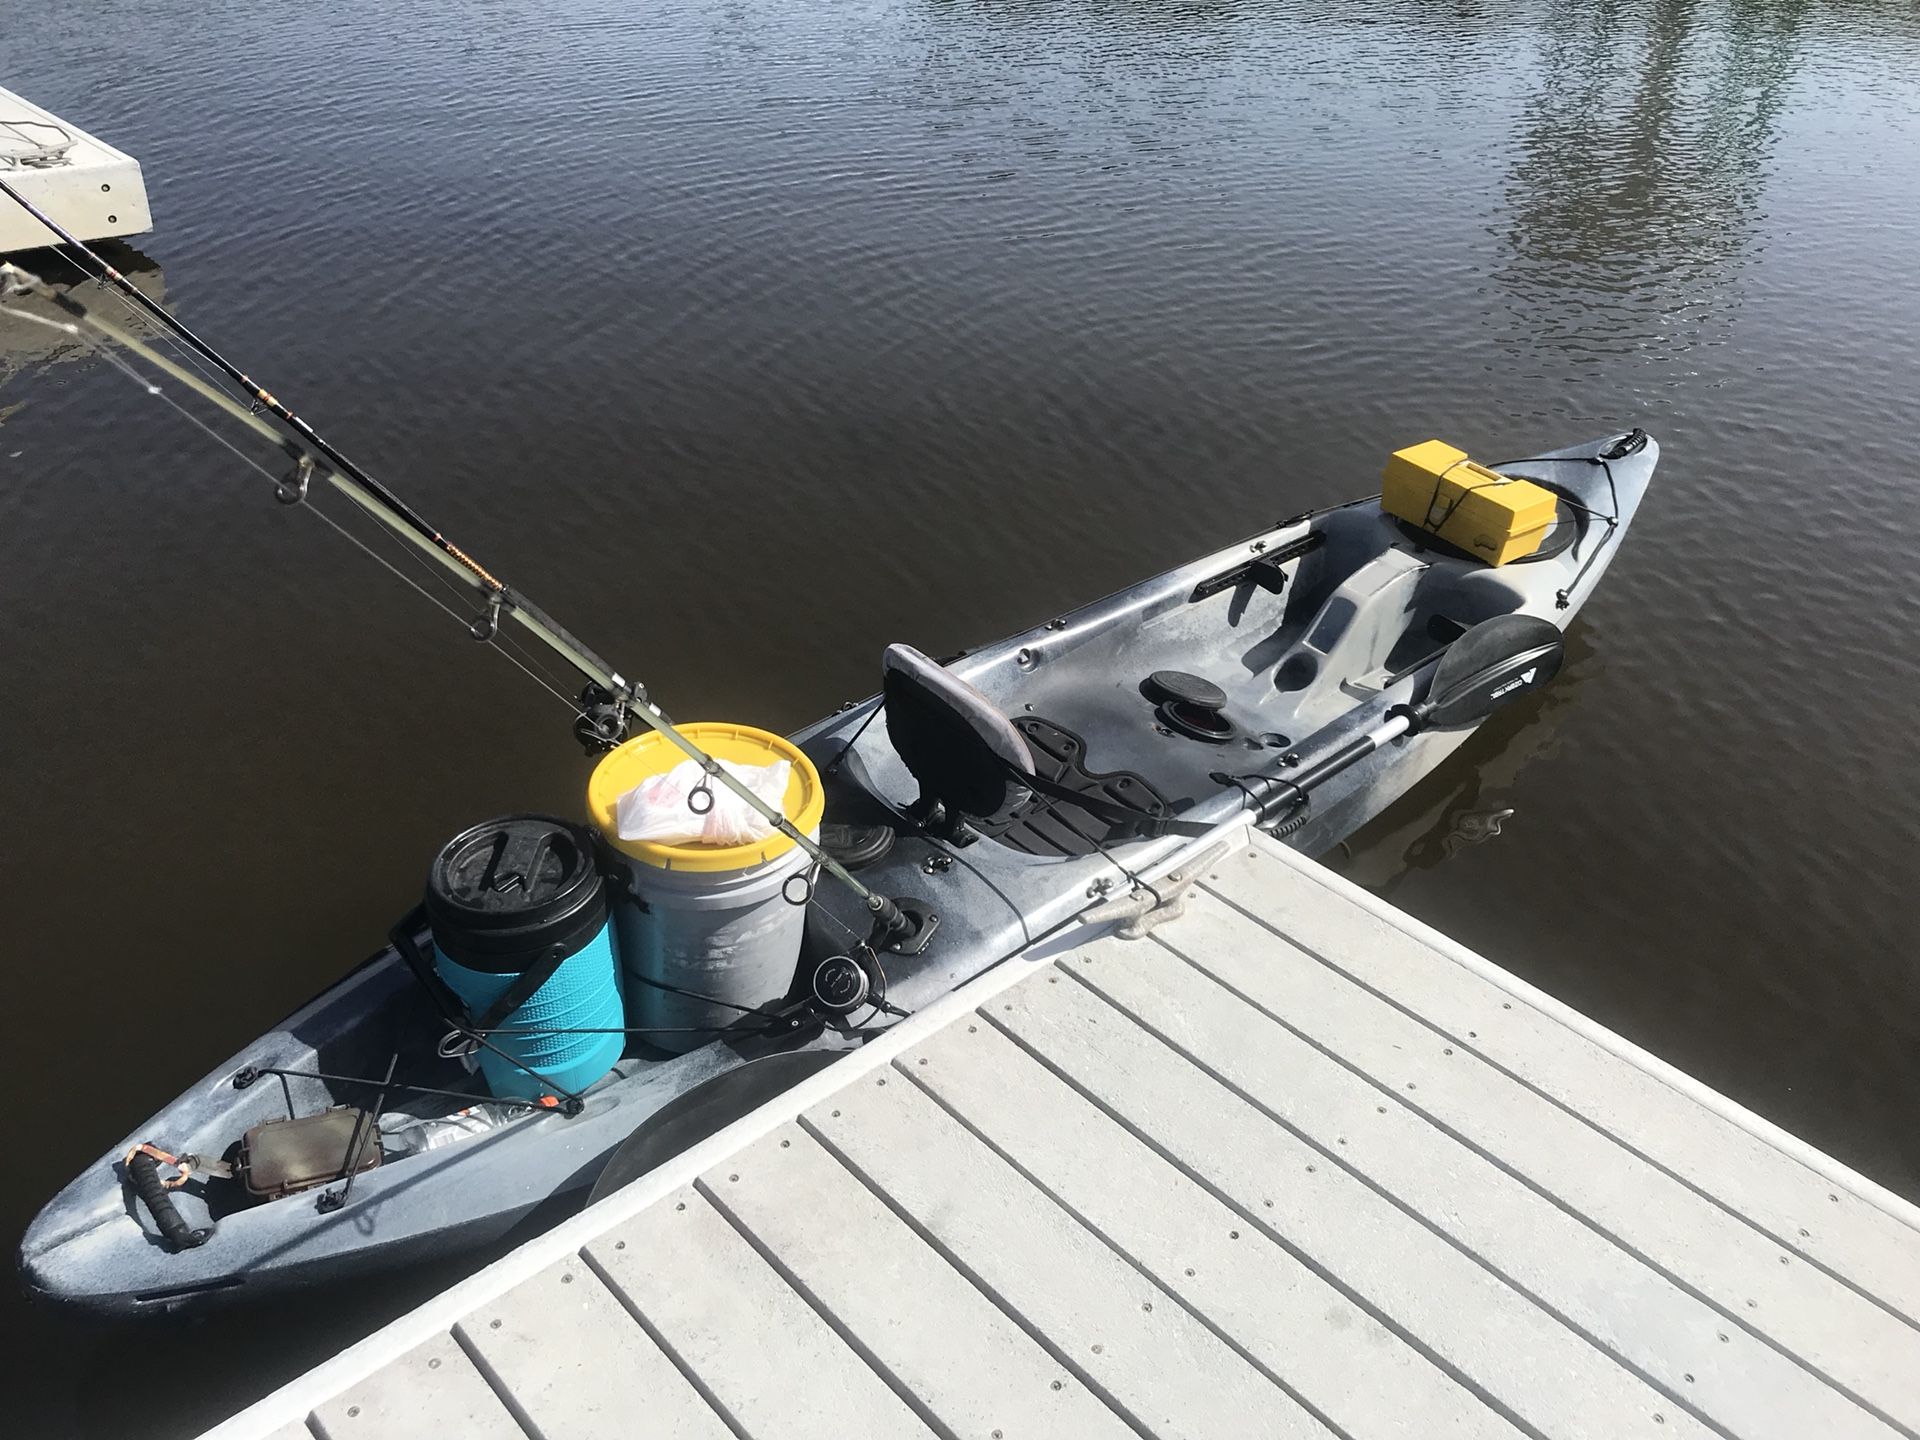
750,337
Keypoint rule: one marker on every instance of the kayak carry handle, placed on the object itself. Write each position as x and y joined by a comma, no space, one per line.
144,1170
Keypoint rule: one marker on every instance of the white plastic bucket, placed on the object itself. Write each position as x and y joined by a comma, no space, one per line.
709,934
732,937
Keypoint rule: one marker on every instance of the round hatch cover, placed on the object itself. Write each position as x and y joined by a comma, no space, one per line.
1179,688
855,846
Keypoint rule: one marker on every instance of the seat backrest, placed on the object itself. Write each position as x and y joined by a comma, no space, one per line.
961,749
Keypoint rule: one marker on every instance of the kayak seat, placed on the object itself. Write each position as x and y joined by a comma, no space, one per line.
1012,781
966,755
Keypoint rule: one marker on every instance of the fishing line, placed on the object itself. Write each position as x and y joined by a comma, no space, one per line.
161,335
159,393
572,707
339,529
834,765
508,647
609,703
154,390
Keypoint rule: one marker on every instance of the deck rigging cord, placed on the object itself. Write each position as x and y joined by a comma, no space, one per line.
608,703
20,150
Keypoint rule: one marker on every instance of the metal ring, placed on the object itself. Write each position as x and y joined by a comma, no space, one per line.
702,792
805,877
457,1045
293,488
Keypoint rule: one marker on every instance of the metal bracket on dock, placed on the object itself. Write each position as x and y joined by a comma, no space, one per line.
1146,907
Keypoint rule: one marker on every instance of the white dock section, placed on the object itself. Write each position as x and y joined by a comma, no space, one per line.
94,190
1293,1166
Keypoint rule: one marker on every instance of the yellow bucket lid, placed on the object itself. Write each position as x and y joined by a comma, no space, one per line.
653,754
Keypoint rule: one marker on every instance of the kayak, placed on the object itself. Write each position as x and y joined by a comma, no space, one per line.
1003,796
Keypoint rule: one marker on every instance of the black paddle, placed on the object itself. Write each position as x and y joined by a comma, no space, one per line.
1495,662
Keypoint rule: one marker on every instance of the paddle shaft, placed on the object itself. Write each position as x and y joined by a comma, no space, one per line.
1278,793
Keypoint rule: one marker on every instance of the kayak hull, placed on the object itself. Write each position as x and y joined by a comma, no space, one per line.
1310,652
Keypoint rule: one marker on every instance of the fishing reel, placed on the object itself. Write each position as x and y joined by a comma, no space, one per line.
604,720
842,983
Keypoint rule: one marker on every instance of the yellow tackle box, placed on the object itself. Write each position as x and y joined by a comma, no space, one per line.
1493,516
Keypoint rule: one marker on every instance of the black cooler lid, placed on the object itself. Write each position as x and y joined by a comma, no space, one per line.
502,893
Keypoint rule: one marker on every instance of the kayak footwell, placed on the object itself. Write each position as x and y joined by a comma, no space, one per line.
1293,1165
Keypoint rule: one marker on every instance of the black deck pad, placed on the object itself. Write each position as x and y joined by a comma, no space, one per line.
1044,826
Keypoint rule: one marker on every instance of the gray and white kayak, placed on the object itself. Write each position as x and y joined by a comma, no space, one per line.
1002,796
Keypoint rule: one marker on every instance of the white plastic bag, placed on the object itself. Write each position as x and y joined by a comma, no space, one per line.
657,809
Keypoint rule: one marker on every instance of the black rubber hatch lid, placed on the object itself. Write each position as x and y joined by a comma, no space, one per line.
512,882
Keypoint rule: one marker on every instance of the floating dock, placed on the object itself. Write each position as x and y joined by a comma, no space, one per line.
85,184
1295,1165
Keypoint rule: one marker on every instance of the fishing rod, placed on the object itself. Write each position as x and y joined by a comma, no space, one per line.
346,476
609,700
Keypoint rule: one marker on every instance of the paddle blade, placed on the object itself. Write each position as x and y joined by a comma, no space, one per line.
1496,661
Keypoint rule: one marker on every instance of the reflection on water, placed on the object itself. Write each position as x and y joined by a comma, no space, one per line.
1466,801
27,341
750,337
1639,168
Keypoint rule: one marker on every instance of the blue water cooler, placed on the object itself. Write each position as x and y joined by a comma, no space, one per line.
517,895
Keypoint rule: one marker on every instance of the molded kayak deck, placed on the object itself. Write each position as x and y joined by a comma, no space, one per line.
1295,1165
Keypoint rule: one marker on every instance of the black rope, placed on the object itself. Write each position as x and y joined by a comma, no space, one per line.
250,1073
356,1149
854,739
621,884
691,995
1564,598
1134,882
531,1030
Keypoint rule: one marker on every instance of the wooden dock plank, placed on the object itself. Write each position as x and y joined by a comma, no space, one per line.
1605,1293
1514,1354
1118,1331
433,1387
1832,1328
1369,1382
1250,1124
970,1368
765,1360
1798,1208
574,1364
